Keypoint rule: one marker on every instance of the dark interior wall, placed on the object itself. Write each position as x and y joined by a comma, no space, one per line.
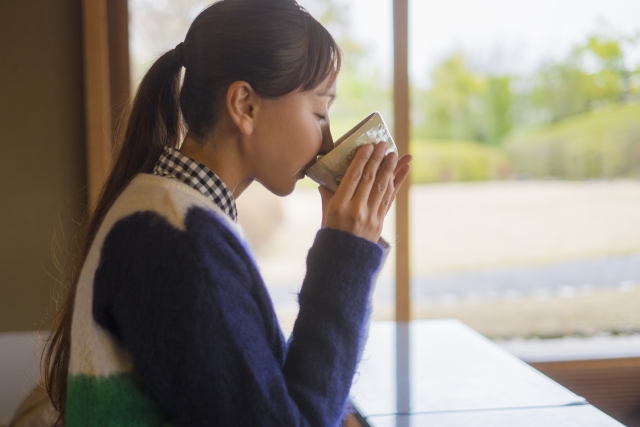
42,155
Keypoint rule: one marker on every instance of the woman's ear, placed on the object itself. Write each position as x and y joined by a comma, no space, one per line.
243,104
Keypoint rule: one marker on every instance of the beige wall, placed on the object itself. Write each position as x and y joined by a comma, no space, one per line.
42,155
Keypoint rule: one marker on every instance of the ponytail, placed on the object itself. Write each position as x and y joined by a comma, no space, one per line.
154,121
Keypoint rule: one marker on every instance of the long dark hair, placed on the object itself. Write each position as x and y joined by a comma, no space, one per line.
274,45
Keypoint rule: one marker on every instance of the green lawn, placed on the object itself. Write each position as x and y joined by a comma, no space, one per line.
604,143
441,161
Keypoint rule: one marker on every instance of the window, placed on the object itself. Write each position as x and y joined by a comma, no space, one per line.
526,136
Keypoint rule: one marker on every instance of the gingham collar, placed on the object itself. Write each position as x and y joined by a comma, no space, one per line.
176,165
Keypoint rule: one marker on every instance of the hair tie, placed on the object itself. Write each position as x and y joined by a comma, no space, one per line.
180,53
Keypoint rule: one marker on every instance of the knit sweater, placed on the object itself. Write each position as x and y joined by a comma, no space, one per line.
173,324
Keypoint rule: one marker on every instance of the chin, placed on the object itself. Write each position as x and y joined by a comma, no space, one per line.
281,191
287,191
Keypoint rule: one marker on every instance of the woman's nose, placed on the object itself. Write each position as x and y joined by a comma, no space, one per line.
327,139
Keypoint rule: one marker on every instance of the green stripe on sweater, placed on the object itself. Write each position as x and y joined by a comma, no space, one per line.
117,400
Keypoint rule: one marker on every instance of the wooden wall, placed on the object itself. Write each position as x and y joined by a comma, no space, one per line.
611,385
42,155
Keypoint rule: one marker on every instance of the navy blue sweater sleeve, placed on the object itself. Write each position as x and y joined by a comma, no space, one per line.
192,310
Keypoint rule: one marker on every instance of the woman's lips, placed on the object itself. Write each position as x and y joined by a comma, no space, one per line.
309,164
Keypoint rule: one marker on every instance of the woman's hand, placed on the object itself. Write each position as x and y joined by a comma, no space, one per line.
365,193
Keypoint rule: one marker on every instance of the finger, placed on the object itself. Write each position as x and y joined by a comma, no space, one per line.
369,173
385,175
326,196
392,190
349,183
401,176
394,184
402,161
387,200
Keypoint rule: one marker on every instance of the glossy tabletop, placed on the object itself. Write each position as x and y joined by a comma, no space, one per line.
559,416
437,366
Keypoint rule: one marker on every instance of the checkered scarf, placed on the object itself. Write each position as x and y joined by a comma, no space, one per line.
176,165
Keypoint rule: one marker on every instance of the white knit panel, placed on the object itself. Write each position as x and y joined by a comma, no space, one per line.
94,351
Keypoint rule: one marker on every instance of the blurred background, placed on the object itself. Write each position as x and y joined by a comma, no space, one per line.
525,186
525,132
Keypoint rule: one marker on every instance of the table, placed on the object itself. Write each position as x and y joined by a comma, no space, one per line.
559,416
442,373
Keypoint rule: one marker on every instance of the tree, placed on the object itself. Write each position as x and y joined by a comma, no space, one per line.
360,87
594,73
463,104
157,26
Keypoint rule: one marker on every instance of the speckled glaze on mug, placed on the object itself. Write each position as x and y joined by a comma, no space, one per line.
329,170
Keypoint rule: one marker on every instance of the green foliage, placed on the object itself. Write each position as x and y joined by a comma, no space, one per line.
499,101
359,93
597,144
357,97
606,49
561,90
593,74
464,104
437,161
334,16
453,95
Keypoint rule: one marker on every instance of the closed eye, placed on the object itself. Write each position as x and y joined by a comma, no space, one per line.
320,116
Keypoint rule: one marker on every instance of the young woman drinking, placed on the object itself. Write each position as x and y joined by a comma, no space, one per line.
168,321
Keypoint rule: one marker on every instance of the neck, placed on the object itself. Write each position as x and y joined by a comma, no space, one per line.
223,158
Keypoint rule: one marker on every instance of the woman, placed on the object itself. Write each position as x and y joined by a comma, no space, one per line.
168,320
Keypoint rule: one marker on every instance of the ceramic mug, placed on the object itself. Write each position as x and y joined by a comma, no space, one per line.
329,170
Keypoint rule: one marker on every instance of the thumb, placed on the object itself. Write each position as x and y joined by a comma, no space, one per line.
326,196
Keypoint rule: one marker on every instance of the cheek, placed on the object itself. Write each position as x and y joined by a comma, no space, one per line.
312,141
304,142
